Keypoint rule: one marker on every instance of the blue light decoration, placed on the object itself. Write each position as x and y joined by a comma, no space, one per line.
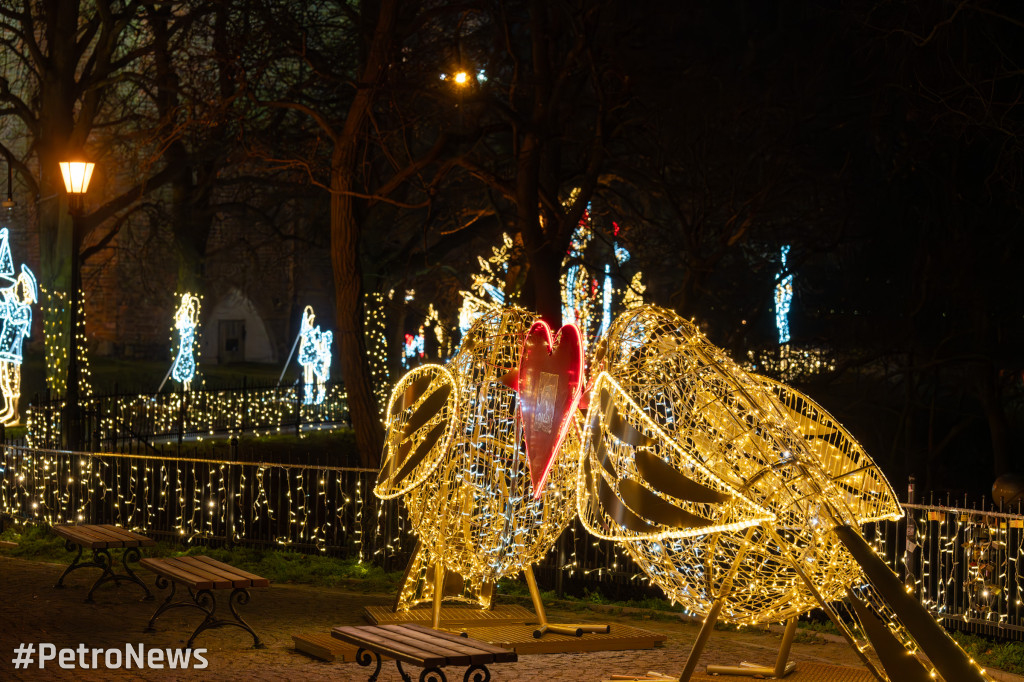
583,294
16,301
315,358
414,347
783,298
186,320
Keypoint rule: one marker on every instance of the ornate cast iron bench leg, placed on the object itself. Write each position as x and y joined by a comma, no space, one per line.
101,559
207,603
129,554
482,674
76,563
401,671
432,675
168,604
366,656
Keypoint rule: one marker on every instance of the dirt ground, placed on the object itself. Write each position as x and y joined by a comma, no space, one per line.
32,611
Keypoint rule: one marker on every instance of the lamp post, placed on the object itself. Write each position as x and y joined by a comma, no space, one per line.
77,175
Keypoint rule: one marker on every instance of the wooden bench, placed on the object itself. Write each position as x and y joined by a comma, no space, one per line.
422,646
101,539
202,575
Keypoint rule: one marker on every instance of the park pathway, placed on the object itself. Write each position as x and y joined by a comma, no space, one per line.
31,610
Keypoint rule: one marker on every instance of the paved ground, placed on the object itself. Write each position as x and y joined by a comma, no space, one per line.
32,611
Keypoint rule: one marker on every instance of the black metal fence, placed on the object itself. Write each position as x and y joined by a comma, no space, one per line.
963,560
119,422
310,508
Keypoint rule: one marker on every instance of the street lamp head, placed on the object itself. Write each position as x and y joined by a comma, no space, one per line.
77,175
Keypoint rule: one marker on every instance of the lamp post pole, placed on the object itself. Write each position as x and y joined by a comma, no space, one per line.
71,394
76,181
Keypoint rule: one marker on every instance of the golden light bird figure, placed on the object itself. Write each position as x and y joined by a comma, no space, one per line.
743,499
457,452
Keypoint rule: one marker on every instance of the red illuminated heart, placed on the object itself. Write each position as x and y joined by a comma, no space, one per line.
550,385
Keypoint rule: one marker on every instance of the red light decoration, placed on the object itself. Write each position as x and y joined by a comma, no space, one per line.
550,387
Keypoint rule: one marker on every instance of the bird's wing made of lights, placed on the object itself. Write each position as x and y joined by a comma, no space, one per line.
636,482
418,432
857,479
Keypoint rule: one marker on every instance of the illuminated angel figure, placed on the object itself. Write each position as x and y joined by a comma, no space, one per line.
315,358
185,321
484,452
15,324
743,499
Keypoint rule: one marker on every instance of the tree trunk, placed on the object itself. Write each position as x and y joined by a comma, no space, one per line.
345,238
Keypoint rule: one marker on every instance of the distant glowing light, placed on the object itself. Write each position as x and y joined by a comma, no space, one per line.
186,319
783,298
460,77
315,358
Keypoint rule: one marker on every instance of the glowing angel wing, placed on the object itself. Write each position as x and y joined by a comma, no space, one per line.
420,422
637,482
858,481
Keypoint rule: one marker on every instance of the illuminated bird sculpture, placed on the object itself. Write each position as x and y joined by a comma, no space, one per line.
484,452
743,499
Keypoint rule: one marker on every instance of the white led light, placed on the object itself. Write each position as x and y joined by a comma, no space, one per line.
186,320
315,358
16,301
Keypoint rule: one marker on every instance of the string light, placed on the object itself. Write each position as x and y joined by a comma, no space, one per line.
15,324
456,455
186,322
315,358
783,298
727,489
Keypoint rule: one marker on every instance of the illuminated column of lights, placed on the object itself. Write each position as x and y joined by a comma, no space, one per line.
186,326
375,332
783,297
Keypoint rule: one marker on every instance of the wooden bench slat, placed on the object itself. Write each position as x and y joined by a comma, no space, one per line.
219,582
460,652
160,567
113,538
206,569
256,580
383,645
452,654
89,538
102,536
500,654
143,540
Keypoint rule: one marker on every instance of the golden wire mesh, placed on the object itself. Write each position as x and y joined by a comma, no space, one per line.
763,475
462,464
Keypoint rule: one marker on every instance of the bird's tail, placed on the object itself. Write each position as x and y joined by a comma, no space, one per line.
896,625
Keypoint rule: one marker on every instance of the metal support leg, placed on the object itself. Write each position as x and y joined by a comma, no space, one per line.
782,665
207,603
75,565
432,675
833,616
702,639
544,626
101,559
401,671
364,657
480,674
438,594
